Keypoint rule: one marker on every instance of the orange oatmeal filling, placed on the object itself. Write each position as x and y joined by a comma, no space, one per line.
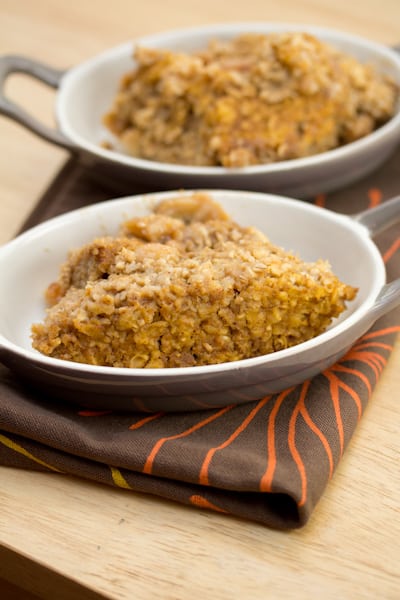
253,100
185,286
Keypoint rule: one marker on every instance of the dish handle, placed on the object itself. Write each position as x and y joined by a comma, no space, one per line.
10,64
380,217
377,220
387,300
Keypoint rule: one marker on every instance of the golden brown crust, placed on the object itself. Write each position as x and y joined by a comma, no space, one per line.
205,291
255,99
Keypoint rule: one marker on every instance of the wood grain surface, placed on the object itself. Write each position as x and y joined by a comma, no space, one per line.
62,538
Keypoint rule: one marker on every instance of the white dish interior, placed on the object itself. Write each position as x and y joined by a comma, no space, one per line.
29,263
87,91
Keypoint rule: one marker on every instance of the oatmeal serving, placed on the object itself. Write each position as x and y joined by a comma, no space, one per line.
253,100
185,286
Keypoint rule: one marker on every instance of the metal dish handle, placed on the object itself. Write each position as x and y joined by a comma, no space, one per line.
376,220
387,300
380,217
20,64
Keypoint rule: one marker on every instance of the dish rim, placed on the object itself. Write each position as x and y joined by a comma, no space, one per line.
69,218
168,37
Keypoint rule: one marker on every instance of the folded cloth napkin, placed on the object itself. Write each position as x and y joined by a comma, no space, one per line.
267,461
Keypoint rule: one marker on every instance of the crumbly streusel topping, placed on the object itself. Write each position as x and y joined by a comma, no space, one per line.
251,100
185,286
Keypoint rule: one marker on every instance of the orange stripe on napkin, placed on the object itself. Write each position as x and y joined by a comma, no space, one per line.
201,502
335,395
146,420
266,479
391,250
292,444
148,467
375,197
307,419
203,477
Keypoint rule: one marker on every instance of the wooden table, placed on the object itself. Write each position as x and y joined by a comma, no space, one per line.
63,538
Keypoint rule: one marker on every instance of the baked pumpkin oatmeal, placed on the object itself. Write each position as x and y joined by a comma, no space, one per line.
185,286
255,99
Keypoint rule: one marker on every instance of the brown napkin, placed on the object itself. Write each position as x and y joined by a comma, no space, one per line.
267,461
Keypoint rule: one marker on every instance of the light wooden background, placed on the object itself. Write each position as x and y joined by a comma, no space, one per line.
62,538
